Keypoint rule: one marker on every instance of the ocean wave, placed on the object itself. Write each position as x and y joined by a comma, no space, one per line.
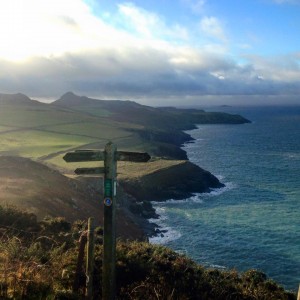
217,267
166,235
291,155
197,198
216,192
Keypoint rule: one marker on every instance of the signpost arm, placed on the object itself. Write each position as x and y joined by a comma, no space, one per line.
109,234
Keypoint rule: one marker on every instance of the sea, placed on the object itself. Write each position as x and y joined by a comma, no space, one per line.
254,221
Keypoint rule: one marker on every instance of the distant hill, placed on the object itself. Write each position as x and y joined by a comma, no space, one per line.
70,99
15,99
162,127
46,131
152,117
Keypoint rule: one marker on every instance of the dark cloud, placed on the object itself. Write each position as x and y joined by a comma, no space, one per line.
149,73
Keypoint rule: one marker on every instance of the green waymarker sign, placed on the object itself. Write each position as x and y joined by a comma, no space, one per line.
110,156
108,188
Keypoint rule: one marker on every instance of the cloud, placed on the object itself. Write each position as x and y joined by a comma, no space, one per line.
150,74
148,24
197,6
212,27
69,48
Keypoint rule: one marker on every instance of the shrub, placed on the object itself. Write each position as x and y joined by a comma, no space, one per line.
43,267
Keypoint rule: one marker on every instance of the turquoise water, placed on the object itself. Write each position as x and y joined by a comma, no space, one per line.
254,222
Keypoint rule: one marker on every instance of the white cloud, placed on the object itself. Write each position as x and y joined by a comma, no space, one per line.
197,6
282,69
148,24
212,27
140,20
52,47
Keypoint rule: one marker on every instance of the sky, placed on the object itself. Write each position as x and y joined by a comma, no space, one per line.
155,52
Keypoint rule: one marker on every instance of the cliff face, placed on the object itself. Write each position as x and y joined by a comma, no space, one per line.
176,180
36,188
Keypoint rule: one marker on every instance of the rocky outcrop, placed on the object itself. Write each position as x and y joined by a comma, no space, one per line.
176,181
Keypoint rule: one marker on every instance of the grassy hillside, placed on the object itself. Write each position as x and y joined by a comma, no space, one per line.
36,188
37,130
38,261
46,131
39,245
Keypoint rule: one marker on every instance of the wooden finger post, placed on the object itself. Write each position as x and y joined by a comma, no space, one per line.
110,156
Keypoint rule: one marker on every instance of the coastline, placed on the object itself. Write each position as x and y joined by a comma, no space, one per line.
158,131
251,210
166,184
177,181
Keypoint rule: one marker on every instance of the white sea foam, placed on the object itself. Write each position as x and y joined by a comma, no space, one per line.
291,155
182,252
197,198
216,192
167,233
217,267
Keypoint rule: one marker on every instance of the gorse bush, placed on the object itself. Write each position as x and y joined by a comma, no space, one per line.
146,271
33,254
42,263
15,221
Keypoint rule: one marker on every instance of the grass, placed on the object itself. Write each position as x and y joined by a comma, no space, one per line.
34,116
42,132
136,170
38,261
94,110
103,130
34,144
6,128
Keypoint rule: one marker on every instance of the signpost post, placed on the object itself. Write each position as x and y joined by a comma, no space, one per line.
110,156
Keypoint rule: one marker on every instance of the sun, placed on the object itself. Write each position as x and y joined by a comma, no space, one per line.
18,26
39,28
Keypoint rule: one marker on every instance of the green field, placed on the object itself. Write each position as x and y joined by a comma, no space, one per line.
34,144
45,132
6,128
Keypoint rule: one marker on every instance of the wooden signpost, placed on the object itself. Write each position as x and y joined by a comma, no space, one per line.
110,156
